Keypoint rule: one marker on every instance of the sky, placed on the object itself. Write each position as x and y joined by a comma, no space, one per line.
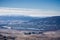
35,8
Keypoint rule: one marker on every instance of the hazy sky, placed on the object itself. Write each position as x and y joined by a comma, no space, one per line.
30,7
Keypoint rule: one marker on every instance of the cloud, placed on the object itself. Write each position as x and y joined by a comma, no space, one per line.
28,12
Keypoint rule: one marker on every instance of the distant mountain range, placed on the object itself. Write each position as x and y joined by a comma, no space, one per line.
24,18
31,23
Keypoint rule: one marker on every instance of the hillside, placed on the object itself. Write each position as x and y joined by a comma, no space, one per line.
30,23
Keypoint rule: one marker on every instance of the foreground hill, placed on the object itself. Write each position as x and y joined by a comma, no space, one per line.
8,34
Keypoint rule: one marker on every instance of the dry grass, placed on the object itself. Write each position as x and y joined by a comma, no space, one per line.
19,35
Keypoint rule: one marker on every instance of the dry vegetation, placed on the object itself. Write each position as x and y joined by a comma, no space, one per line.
6,34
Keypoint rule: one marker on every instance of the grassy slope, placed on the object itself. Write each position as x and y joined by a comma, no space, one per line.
51,35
